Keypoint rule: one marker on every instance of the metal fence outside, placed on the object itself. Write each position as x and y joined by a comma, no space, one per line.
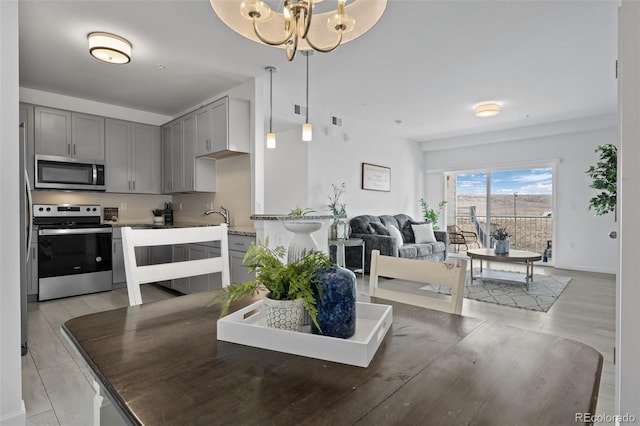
526,232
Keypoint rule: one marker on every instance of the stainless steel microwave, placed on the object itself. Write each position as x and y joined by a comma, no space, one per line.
54,172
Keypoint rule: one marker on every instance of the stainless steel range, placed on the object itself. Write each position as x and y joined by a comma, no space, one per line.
74,250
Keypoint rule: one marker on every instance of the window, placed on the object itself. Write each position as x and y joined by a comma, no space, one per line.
520,200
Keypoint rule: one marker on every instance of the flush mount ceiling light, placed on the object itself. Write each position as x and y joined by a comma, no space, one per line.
289,24
109,48
487,109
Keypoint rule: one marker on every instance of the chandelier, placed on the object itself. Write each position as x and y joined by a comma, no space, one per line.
300,24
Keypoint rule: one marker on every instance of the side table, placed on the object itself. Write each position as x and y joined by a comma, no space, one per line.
340,251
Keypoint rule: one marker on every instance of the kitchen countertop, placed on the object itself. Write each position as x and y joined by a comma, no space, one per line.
245,231
288,218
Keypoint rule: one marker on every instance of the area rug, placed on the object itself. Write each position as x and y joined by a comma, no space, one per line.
544,290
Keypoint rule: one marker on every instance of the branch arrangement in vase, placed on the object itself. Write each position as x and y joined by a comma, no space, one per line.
335,207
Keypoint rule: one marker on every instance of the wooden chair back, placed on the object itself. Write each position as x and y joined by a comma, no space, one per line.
452,274
143,274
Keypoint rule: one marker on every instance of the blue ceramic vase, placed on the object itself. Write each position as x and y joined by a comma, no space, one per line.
337,306
501,246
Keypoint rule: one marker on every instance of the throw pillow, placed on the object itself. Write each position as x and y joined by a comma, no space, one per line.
407,231
379,228
424,233
395,233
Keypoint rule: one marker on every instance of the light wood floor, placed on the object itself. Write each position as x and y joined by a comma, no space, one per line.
57,384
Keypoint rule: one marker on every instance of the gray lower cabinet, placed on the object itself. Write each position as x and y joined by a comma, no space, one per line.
199,283
238,246
117,259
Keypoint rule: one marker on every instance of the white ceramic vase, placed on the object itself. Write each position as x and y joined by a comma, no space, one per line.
157,219
303,242
283,314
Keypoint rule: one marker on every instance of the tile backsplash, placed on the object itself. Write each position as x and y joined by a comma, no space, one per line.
132,208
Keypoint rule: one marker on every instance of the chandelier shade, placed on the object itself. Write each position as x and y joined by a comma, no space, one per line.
300,24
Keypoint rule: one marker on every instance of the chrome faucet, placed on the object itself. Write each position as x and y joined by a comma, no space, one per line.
222,212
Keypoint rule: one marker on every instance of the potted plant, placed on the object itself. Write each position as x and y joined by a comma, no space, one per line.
431,214
501,240
339,229
157,215
604,175
292,286
300,212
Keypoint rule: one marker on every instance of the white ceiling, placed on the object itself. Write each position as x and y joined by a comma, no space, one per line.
425,63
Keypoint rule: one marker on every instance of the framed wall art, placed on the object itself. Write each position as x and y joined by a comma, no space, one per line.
376,178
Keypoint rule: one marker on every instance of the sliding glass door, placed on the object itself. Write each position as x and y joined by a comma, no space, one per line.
520,200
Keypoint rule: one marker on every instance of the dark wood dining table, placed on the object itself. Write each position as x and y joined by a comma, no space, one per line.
161,364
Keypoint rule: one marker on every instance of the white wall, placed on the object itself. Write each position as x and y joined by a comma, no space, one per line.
286,173
12,411
336,159
628,291
571,147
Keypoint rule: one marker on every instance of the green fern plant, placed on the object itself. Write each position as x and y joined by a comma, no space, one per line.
283,281
604,176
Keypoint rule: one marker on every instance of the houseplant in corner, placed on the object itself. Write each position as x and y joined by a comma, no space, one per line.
430,214
604,175
501,241
292,287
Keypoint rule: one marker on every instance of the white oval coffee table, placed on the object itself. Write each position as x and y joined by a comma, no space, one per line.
514,256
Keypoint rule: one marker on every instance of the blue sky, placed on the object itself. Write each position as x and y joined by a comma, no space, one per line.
525,181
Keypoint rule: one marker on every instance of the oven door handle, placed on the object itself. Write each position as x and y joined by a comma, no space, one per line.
75,231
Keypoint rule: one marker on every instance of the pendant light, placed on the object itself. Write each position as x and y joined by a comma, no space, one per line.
271,137
307,130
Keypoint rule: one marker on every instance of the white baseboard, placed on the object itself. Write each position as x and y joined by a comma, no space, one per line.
16,418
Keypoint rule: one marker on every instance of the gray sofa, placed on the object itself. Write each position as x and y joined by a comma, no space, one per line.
372,230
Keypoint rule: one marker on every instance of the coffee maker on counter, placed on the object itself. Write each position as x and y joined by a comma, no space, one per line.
168,214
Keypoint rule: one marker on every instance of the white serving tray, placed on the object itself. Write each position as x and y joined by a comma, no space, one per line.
247,327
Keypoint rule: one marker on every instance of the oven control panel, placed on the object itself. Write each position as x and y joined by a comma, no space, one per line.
67,210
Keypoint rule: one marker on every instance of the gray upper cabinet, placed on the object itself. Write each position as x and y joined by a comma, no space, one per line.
181,170
177,157
167,161
52,131
203,130
69,134
188,151
172,158
133,157
228,133
87,136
